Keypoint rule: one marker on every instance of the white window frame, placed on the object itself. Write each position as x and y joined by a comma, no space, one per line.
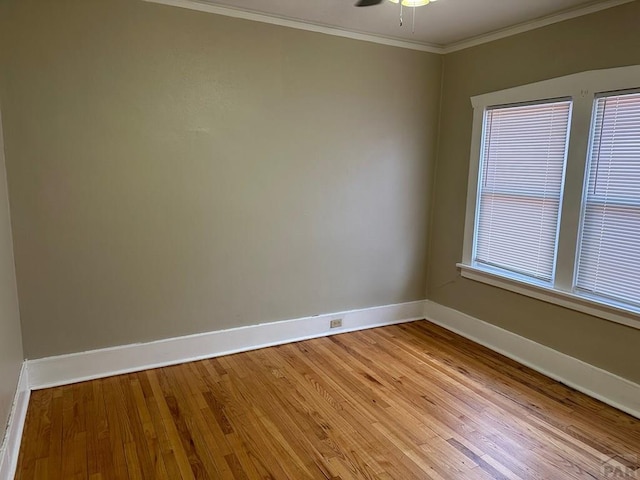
583,89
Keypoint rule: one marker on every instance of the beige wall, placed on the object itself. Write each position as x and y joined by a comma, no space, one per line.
10,338
607,39
174,172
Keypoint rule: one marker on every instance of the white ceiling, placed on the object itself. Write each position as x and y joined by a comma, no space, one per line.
440,24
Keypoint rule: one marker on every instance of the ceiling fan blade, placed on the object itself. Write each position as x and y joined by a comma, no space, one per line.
368,3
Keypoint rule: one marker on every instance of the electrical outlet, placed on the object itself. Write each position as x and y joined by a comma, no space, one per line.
337,323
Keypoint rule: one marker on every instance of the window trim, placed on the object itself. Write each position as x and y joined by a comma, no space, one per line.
583,89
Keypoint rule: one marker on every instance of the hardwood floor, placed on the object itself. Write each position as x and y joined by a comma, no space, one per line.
412,401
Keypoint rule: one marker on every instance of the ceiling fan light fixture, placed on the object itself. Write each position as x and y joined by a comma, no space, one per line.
413,3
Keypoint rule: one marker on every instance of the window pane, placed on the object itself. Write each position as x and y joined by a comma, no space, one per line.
520,186
609,259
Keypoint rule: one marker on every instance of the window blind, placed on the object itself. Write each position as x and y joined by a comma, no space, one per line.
609,252
520,187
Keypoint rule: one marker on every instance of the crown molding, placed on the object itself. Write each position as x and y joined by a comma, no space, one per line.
532,25
203,6
298,24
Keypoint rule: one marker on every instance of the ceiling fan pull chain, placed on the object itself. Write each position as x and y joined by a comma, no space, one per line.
413,22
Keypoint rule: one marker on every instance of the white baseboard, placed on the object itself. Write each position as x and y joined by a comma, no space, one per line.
593,381
77,367
10,448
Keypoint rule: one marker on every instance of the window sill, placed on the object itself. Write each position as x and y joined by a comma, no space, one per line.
546,294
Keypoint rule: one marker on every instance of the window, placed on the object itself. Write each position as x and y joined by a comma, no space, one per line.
609,255
522,167
553,208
